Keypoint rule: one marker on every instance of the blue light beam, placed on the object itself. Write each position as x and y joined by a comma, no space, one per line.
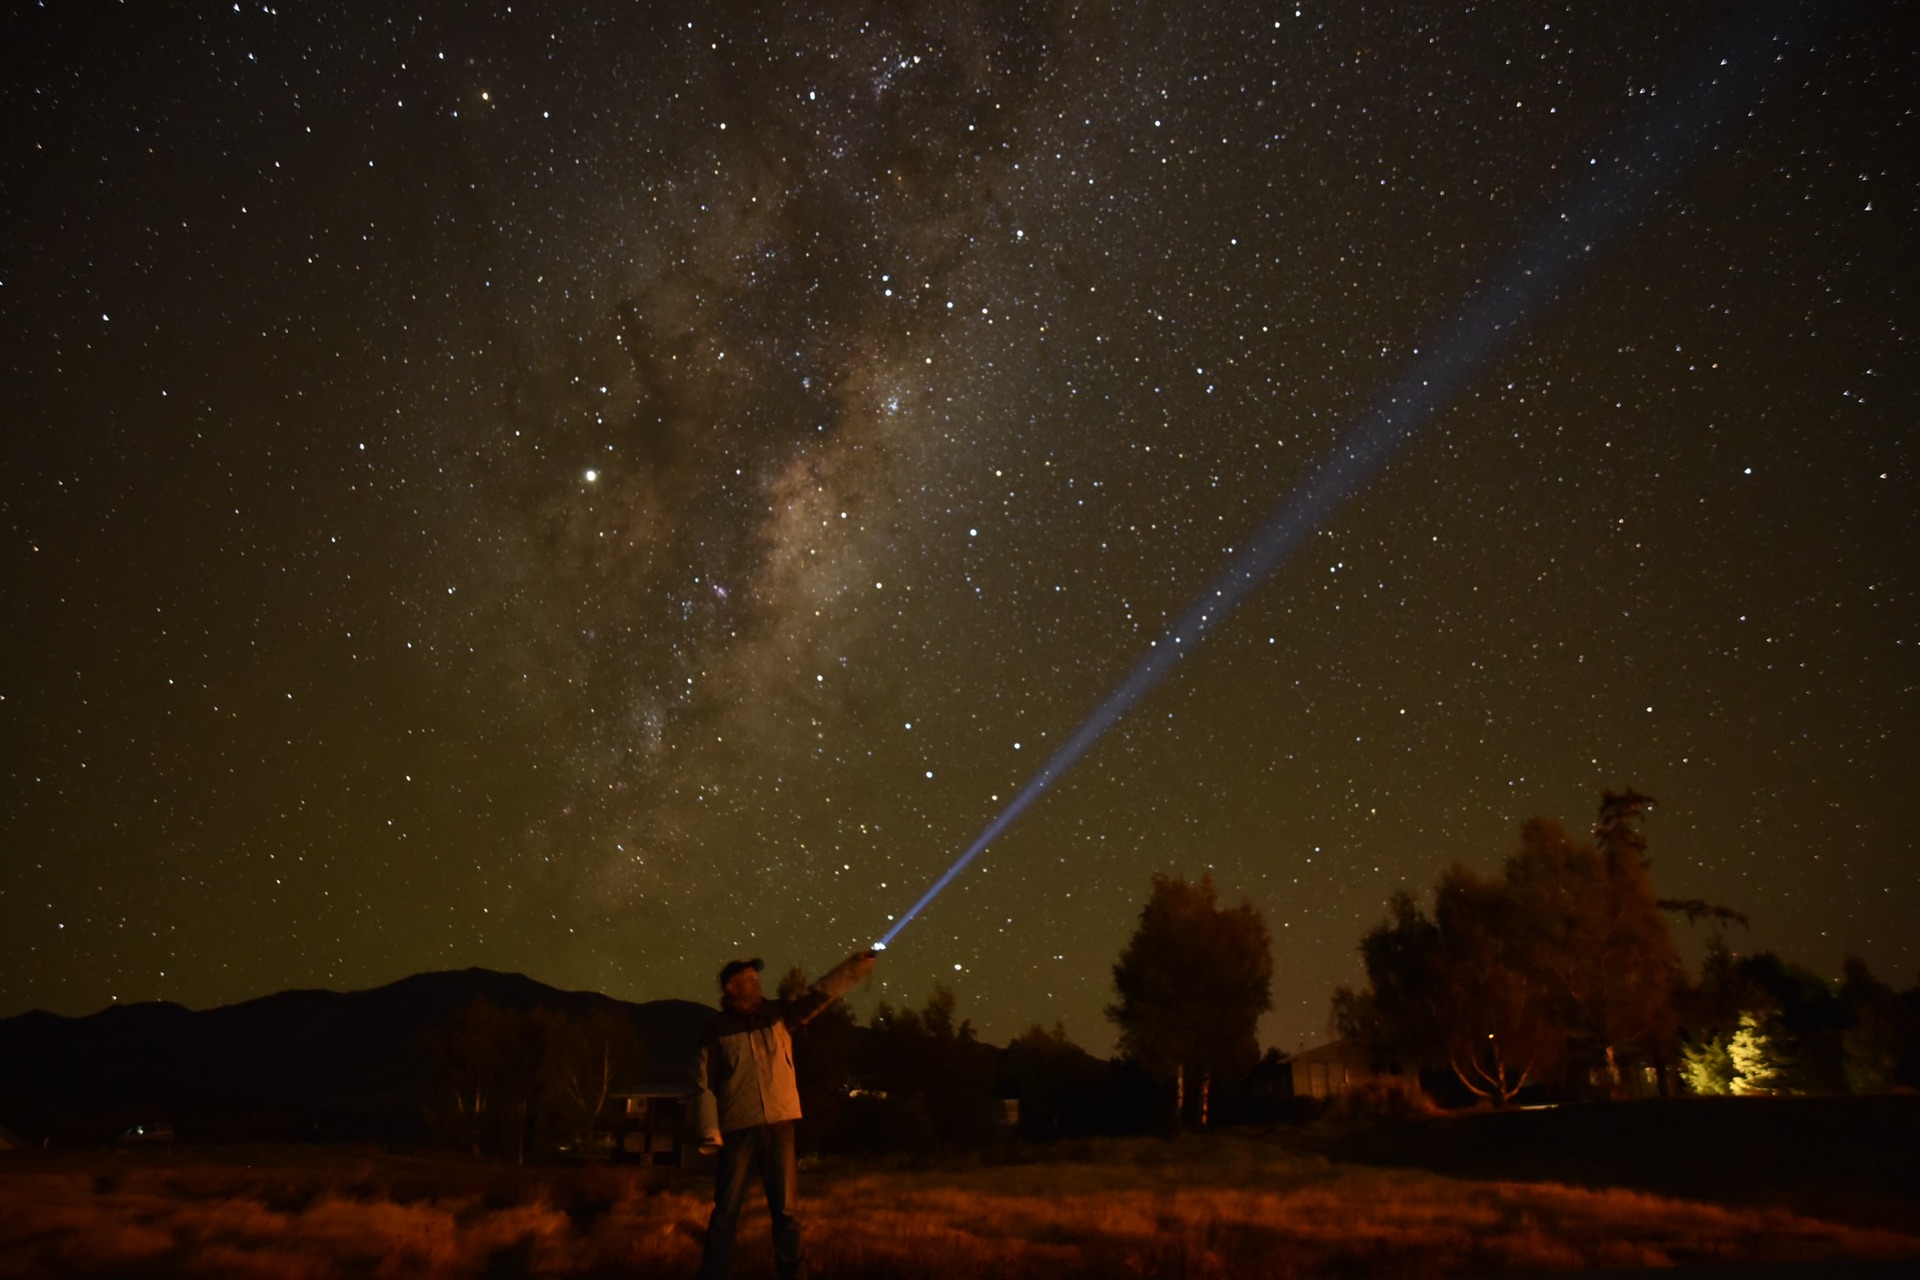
1618,184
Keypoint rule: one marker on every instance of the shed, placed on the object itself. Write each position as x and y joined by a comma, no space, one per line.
655,1124
1328,1070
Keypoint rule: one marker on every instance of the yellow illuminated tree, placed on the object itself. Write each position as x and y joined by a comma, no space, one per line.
1755,1068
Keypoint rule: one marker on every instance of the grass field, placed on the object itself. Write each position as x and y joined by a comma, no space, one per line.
1239,1205
1844,1159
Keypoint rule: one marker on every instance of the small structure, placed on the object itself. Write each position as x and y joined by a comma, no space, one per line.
1329,1070
654,1125
1637,1078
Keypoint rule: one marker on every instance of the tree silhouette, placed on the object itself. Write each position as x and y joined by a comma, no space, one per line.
1881,1034
934,1081
485,1070
1564,957
463,1075
1055,1079
1598,935
1192,984
1461,990
1403,1013
822,1057
504,1079
1499,1023
584,1059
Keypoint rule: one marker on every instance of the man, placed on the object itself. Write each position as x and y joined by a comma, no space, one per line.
747,1101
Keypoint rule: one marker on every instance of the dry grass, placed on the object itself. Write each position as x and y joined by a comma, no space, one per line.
1229,1206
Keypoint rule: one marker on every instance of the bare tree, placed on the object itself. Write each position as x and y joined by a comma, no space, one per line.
1498,1018
585,1059
484,1068
462,1075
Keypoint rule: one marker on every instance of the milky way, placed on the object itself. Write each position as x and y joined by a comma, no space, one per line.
593,491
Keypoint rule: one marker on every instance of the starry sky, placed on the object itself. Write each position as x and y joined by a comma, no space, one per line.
594,490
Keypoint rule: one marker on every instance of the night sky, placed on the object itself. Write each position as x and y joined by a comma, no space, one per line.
594,490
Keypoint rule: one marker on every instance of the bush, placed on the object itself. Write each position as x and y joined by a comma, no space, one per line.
1707,1066
1385,1098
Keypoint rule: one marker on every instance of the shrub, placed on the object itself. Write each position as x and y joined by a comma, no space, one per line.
1386,1098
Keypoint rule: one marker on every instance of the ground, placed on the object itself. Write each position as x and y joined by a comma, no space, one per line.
1621,1188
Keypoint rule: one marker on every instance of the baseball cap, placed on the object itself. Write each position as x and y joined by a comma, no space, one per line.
735,966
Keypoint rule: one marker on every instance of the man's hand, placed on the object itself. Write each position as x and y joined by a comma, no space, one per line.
710,1143
862,963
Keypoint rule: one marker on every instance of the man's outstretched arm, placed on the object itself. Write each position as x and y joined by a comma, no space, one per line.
833,984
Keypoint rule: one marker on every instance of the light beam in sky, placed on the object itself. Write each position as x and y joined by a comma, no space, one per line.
1619,181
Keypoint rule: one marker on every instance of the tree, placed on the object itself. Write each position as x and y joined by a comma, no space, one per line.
1501,1019
1055,1080
584,1058
1462,990
1880,1048
485,1069
1707,1066
1402,1014
1565,955
1800,1032
1752,1053
932,1081
1712,1005
503,1079
1192,984
1802,1019
1598,935
1640,972
463,1074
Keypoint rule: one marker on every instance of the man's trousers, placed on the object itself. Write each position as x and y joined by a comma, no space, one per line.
769,1150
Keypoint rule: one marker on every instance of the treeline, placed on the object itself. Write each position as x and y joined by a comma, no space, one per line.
539,1082
920,1081
1189,991
1758,1024
1560,974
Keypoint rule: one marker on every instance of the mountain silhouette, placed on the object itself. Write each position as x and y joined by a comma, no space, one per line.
297,1064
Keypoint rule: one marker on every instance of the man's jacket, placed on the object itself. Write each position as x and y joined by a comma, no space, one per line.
744,1072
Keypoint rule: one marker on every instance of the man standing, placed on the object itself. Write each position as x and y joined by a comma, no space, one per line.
747,1101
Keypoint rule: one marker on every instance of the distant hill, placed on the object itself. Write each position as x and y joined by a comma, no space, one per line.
298,1064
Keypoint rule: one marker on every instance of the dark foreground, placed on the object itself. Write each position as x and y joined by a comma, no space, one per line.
1607,1190
1854,1160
